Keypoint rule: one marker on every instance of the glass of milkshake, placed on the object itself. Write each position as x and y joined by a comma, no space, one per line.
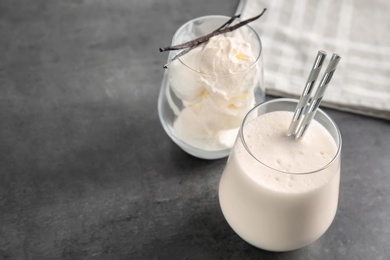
278,193
206,93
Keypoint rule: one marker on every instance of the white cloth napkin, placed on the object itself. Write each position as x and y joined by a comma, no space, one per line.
292,32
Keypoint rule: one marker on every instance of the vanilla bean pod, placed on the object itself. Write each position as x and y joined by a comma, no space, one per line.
205,38
228,22
179,55
189,49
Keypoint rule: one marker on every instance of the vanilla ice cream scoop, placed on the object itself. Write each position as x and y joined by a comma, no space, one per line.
230,63
184,76
224,55
215,83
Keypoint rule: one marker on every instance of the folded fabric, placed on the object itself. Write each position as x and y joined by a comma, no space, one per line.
292,32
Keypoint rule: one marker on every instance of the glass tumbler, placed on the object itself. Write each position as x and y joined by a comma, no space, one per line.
274,209
200,110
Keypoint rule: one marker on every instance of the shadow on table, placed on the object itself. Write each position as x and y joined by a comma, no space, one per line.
206,235
176,162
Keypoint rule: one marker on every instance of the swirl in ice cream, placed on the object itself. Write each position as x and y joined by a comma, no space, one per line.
215,83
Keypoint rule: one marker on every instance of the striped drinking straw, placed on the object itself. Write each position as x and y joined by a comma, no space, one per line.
304,99
316,101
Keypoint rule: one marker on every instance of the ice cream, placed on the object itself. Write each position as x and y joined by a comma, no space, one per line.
266,205
215,83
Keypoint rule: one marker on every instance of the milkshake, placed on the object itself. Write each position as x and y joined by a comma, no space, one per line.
207,92
278,193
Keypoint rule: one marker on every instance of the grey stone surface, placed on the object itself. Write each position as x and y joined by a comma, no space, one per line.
86,170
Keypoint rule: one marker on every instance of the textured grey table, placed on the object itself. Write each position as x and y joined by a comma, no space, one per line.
86,170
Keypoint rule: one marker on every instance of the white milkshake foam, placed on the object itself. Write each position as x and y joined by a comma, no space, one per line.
267,141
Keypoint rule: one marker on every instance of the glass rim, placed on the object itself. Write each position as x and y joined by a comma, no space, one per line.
327,117
221,75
